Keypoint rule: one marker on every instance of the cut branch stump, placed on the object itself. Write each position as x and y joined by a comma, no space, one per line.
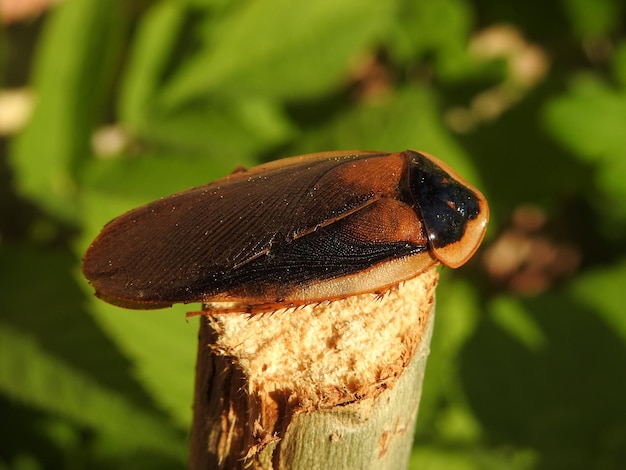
335,385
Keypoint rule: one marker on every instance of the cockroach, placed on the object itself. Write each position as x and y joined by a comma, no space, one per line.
295,231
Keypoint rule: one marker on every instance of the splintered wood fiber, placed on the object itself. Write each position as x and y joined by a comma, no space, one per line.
332,353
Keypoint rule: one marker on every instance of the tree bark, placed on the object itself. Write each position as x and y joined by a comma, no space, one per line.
335,385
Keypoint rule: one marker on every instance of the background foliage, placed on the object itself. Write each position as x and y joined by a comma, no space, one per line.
138,99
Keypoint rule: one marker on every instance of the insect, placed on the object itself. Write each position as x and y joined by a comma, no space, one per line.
296,231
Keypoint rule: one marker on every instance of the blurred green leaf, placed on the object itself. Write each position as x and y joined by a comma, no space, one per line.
571,119
162,345
281,49
474,458
217,128
595,18
56,360
446,39
582,356
209,125
603,291
589,119
28,374
72,72
510,316
42,298
619,63
149,57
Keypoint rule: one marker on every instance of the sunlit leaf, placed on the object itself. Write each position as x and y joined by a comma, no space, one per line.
603,291
588,120
281,49
70,80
